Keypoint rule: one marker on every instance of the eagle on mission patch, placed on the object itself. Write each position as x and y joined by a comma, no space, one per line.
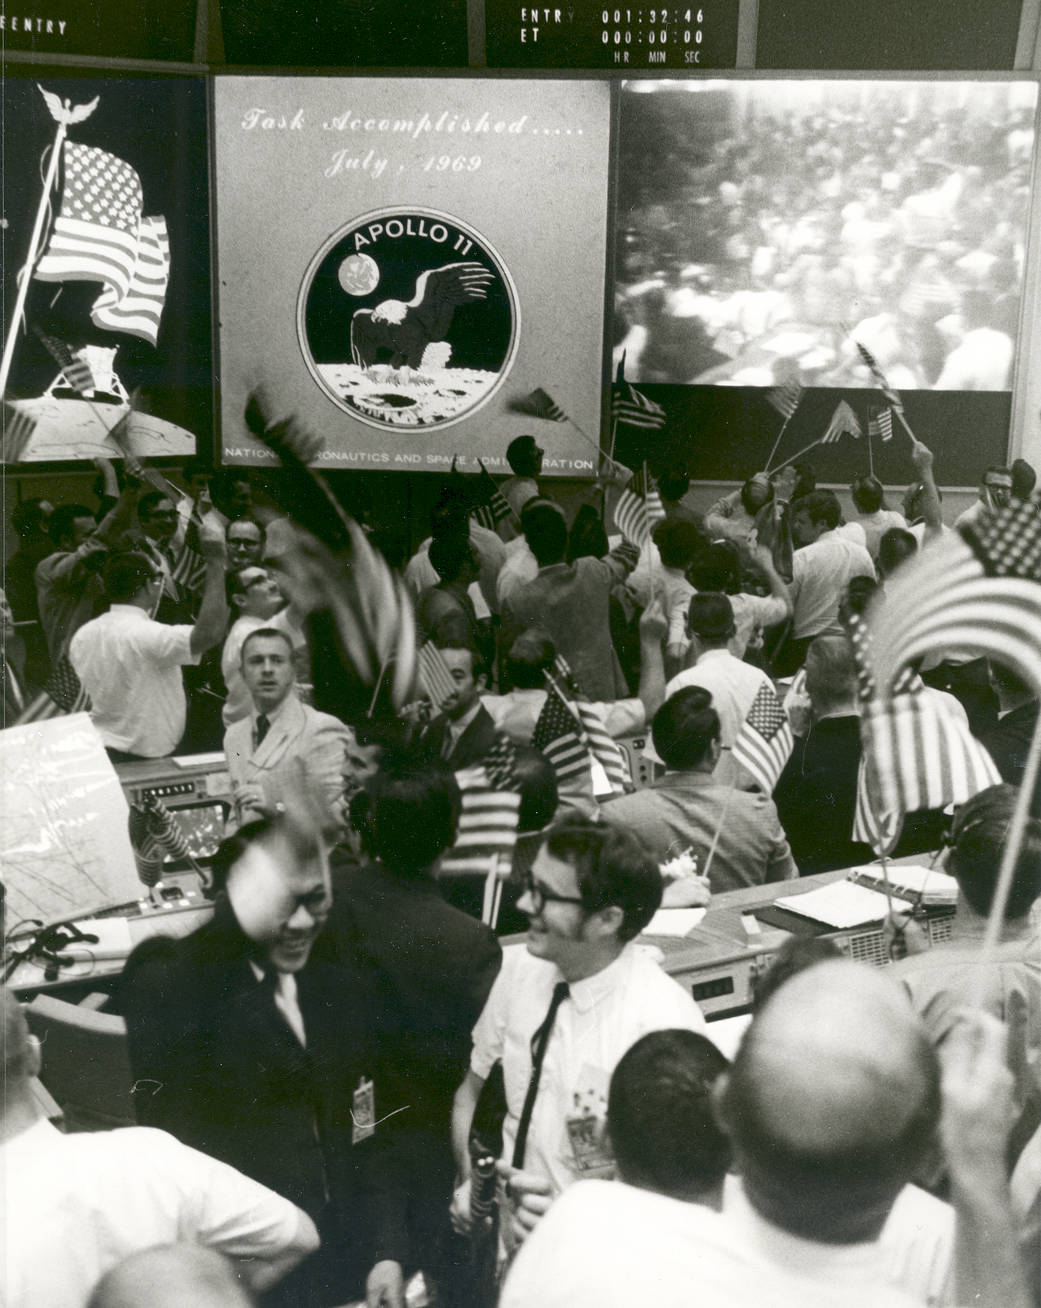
398,333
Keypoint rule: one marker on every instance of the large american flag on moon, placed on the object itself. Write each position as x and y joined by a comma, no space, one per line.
100,235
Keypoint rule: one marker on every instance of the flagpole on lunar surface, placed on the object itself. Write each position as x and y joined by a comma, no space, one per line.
25,276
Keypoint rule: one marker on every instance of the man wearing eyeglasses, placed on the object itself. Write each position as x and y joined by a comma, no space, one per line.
254,601
564,1009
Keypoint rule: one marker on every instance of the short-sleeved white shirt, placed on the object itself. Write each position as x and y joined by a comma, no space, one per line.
605,1244
78,1204
601,1019
130,666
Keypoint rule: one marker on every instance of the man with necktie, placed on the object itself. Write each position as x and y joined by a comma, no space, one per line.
564,1009
244,1046
282,739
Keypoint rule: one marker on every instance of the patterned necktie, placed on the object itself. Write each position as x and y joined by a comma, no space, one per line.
539,1044
263,727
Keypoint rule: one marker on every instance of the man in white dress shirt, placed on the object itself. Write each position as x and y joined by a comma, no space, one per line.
74,1205
564,1009
130,665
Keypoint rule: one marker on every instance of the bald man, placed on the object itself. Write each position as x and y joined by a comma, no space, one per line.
74,1205
831,1103
832,1097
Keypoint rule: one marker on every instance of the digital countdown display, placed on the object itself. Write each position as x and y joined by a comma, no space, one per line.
583,34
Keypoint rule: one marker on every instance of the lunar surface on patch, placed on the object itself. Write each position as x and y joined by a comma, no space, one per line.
407,397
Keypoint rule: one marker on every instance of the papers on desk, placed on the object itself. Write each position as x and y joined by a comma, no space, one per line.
674,921
842,904
199,760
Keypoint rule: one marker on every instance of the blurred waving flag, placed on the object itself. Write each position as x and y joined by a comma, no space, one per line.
18,426
916,752
538,404
975,591
434,674
844,422
101,235
155,837
785,399
880,423
489,814
490,504
638,509
764,743
77,371
632,408
880,378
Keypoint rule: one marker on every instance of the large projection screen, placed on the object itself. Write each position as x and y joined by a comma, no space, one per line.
403,261
778,222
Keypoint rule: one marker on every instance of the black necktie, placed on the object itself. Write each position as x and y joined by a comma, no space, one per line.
263,727
539,1044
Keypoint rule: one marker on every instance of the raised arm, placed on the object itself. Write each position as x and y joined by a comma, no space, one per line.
212,621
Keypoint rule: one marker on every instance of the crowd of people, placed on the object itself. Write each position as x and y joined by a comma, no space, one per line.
348,1087
761,231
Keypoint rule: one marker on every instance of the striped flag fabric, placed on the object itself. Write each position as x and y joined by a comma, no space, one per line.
557,735
100,235
18,427
843,422
489,815
638,509
880,423
77,371
602,745
61,694
154,837
976,591
916,753
490,504
765,741
632,408
538,404
785,399
875,369
434,675
138,312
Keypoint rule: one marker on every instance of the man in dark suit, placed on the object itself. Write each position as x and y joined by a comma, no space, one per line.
463,732
245,1047
437,965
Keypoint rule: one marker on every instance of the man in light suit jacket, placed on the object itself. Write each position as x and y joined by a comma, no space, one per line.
281,737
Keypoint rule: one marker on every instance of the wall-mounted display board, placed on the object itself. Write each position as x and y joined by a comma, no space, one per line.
440,259
592,34
765,227
940,35
345,34
120,274
147,29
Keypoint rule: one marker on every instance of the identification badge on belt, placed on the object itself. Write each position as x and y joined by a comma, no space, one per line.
363,1112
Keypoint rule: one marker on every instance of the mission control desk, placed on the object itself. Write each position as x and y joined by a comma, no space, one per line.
720,959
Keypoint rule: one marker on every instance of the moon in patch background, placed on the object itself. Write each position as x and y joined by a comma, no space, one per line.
358,274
